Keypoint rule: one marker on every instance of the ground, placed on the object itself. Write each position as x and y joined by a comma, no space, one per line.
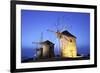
53,59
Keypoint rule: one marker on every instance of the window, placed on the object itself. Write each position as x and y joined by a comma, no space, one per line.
70,40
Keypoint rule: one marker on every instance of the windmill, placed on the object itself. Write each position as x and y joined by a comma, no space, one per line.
58,32
46,48
66,39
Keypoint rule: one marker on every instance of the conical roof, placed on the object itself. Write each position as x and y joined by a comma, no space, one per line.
48,42
67,33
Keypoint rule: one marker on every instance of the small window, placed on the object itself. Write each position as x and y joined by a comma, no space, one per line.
70,40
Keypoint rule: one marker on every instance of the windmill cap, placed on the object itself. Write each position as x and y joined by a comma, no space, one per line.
47,42
67,33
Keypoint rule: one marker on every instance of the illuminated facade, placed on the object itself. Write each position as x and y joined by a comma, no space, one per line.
68,45
47,49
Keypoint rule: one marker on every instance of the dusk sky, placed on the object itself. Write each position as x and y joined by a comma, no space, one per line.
33,23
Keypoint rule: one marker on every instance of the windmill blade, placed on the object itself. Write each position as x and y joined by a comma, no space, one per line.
61,23
41,40
56,25
63,28
51,30
70,27
57,33
36,42
59,43
64,25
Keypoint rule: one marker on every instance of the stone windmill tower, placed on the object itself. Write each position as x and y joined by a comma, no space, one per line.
67,42
46,49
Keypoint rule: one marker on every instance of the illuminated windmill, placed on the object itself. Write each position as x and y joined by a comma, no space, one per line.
46,49
67,42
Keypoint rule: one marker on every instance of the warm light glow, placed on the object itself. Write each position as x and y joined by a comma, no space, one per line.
45,50
68,48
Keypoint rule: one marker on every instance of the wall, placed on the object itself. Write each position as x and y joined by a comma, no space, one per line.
5,37
70,49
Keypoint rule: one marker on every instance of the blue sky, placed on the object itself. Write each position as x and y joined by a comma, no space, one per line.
34,22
